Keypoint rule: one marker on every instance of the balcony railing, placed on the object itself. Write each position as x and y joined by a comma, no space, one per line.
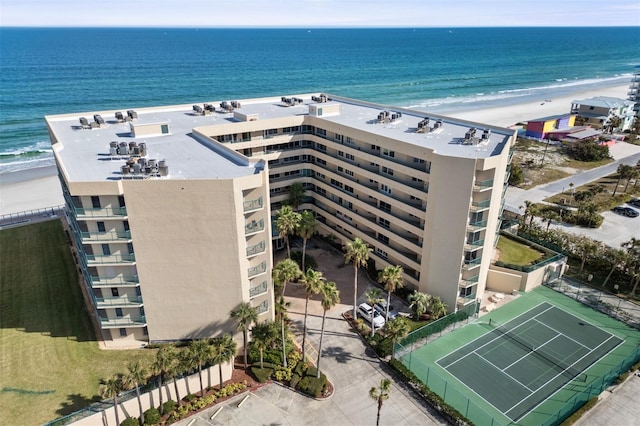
254,226
256,249
122,322
468,282
250,205
477,226
470,264
118,281
113,302
262,308
480,205
257,270
105,236
483,184
101,259
99,212
465,300
259,289
473,245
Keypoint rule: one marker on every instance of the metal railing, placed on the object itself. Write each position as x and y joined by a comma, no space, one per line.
256,249
105,236
257,270
102,302
254,226
81,212
118,281
99,259
123,322
259,289
253,204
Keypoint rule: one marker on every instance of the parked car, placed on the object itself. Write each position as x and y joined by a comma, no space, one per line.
626,211
381,307
367,312
635,202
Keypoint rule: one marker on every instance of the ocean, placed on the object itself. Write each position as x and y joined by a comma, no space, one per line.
53,70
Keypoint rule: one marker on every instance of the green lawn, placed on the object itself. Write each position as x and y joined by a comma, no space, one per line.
516,253
51,364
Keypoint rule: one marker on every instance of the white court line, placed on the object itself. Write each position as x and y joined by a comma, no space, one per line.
562,334
506,374
554,377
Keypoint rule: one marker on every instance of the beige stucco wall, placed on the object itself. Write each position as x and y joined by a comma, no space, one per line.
506,280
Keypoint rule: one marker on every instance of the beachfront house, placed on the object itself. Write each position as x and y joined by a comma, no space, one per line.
171,207
605,112
540,128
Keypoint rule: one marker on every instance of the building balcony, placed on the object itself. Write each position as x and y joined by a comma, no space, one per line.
471,264
118,302
251,205
123,322
261,288
254,227
115,212
474,245
466,300
120,236
469,282
104,259
477,226
256,249
262,308
477,206
117,281
257,270
483,185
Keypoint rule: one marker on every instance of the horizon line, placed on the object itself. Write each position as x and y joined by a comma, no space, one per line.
239,27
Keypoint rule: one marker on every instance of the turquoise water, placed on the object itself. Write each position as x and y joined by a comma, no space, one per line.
53,71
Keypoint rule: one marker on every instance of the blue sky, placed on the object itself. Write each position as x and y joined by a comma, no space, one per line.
319,13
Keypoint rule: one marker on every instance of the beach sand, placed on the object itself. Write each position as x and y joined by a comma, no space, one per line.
39,188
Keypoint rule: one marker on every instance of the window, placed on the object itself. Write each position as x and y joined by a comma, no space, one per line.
375,147
319,131
387,170
119,312
100,226
115,292
385,207
95,202
350,141
336,183
348,172
384,188
246,136
348,188
350,157
388,153
145,331
340,154
384,222
383,254
106,250
121,200
415,179
270,133
123,332
383,238
320,175
130,248
338,137
321,161
418,160
164,128
340,169
290,159
321,147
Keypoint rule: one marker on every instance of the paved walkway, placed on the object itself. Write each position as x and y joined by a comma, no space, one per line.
616,408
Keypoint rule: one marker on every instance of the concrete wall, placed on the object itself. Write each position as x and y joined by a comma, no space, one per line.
505,279
190,384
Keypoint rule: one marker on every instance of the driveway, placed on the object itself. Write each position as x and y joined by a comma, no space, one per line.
348,363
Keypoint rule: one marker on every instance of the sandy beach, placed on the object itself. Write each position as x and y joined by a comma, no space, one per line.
39,188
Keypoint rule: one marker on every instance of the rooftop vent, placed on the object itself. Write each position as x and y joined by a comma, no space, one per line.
98,119
141,168
226,106
119,117
389,117
84,123
197,110
319,99
209,107
291,101
132,114
485,134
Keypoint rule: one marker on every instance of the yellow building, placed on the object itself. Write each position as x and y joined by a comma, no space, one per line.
169,249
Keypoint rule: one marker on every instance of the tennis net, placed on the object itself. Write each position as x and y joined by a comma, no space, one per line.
562,366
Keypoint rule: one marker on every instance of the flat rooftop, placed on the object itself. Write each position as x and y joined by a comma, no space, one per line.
86,156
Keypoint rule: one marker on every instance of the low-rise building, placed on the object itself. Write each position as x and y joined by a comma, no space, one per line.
605,112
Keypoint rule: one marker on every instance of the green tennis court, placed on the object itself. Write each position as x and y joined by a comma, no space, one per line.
531,357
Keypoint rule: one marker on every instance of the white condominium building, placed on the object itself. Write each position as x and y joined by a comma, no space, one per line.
170,207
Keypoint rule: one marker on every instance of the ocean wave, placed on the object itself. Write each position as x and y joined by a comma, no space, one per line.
22,163
38,148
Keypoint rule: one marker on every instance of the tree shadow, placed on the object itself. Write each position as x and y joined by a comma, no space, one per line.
76,402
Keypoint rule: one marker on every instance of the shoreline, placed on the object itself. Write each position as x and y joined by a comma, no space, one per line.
36,188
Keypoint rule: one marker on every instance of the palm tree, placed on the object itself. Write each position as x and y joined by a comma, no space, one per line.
175,368
623,171
296,194
380,394
330,298
161,366
313,281
391,277
586,247
262,336
396,329
287,222
357,251
136,375
527,208
419,302
281,315
223,349
550,216
631,174
111,388
373,296
245,315
284,272
617,258
200,353
306,229
437,307
632,248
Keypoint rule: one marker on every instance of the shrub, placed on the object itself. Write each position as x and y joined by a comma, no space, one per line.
152,416
130,421
301,368
283,374
169,406
269,356
381,345
580,411
293,358
295,379
311,385
262,375
190,397
309,261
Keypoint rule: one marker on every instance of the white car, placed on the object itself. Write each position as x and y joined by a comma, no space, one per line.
367,312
